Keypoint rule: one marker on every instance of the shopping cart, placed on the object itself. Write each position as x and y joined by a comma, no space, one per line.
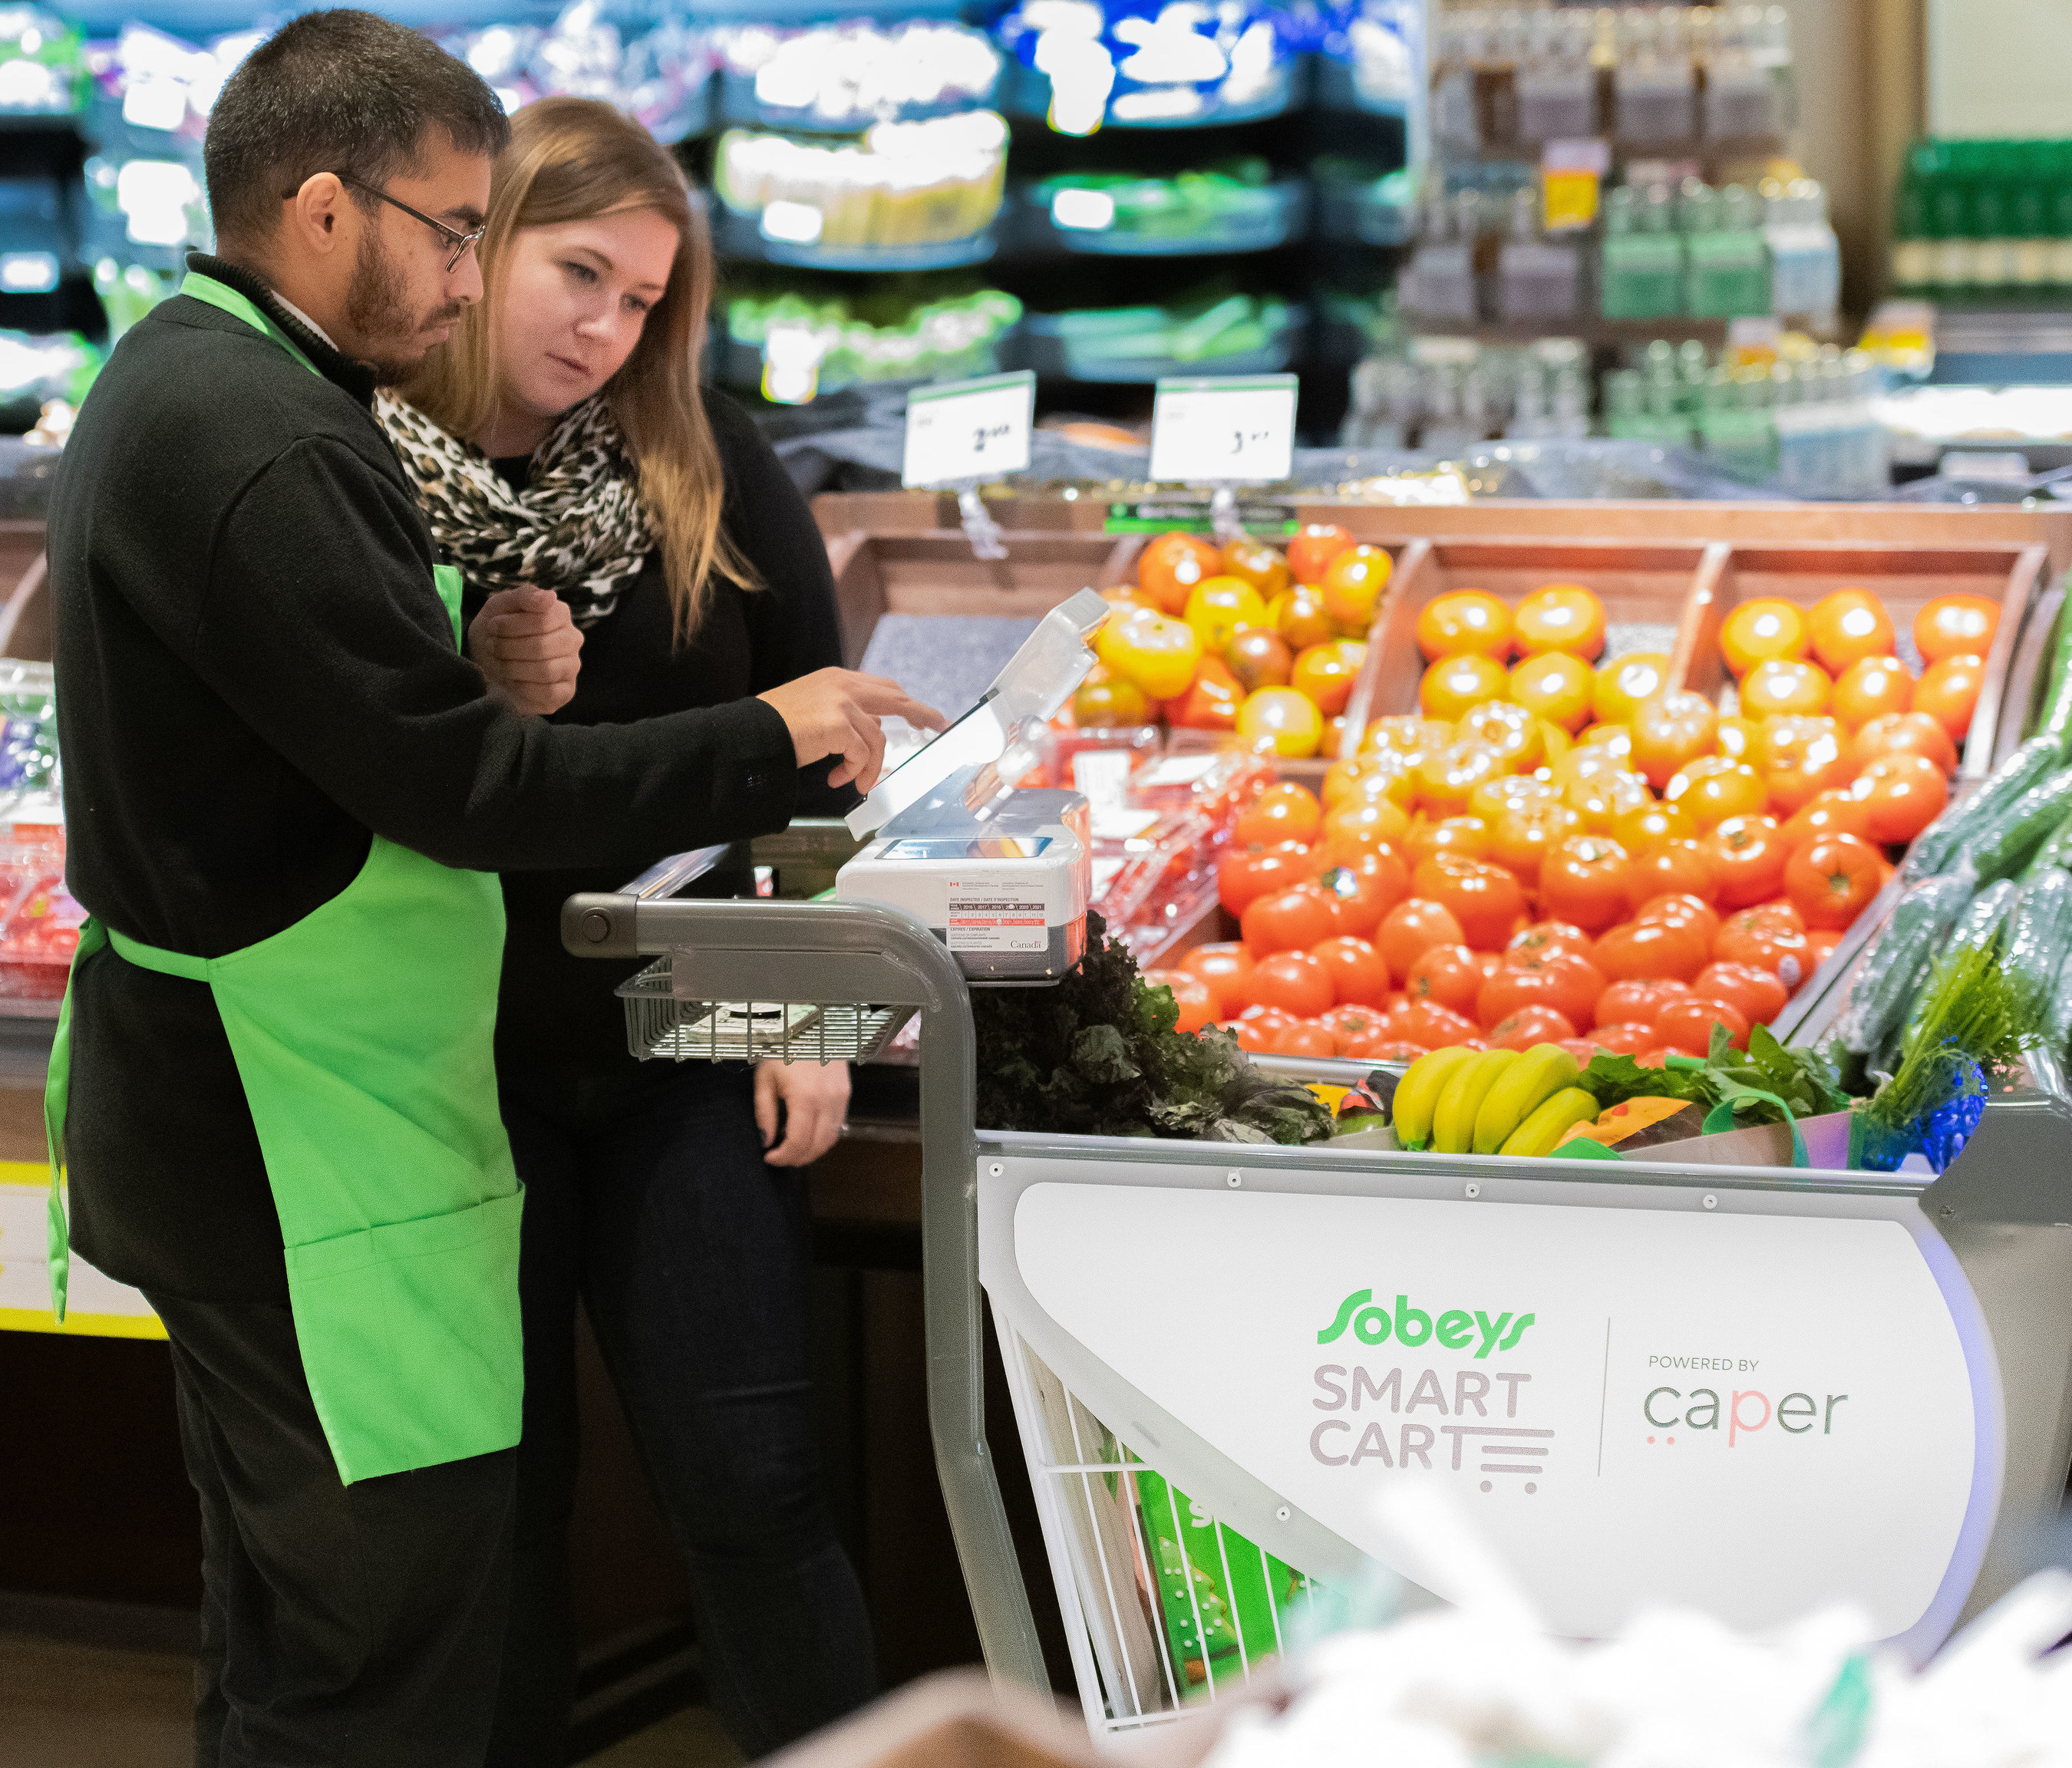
1748,1390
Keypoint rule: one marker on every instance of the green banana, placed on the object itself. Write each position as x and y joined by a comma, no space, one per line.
1453,1123
1535,1078
1543,1131
1417,1093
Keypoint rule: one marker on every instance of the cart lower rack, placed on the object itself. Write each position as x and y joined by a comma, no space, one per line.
1746,1390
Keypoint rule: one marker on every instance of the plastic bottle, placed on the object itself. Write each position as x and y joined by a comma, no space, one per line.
1730,273
2030,215
1744,99
1805,257
1643,261
1439,281
1655,84
1446,427
1454,122
1950,227
1536,278
1570,417
1734,426
1913,251
1557,86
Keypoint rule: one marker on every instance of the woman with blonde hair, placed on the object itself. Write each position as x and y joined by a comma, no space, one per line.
632,547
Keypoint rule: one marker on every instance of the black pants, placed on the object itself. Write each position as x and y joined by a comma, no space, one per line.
342,1625
647,1193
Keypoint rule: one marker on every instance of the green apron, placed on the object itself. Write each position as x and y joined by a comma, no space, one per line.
362,1035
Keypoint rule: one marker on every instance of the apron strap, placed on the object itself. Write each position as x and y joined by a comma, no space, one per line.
222,295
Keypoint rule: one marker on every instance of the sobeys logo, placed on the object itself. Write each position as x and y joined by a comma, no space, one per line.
1455,1329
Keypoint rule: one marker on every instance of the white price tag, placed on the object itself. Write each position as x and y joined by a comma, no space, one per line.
1210,431
969,429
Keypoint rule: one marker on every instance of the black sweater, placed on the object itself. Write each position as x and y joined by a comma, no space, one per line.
254,671
558,1011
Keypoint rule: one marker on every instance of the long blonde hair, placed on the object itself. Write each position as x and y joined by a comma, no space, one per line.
573,160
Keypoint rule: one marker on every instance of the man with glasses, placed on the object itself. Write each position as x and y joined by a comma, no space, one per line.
287,792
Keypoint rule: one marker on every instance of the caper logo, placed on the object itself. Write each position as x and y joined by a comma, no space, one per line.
1455,1329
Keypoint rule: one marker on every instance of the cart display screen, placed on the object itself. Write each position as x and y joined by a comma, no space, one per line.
986,847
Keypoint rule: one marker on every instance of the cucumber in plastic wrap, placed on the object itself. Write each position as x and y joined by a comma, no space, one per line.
1999,845
2060,1010
2055,721
2055,851
1935,849
2039,937
1897,962
1981,923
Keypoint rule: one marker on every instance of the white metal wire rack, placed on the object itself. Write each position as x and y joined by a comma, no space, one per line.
660,1025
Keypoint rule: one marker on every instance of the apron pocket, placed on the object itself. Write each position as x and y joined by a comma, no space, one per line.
411,1337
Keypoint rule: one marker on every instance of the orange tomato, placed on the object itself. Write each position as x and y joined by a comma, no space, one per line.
1625,1039
1446,779
1171,564
1543,939
1225,970
1447,975
1556,686
1353,583
1671,730
1463,621
1650,951
1296,982
1736,737
1212,703
1487,900
1406,735
1529,1027
1281,722
1679,868
1778,912
1511,731
1600,799
1299,616
1290,920
1258,1029
1433,1026
1637,1001
1682,908
1954,625
1758,994
1647,827
1561,617
1306,1038
1311,549
1906,732
1832,880
1847,626
1190,995
1358,973
1902,795
1712,788
1748,856
1104,701
1493,796
1410,929
1243,874
1687,1025
1870,688
1624,682
1356,823
1819,944
1785,685
1352,1025
1948,691
1799,757
1829,813
1454,683
1466,837
1361,892
1326,673
1521,835
1259,657
1285,812
1761,631
1371,775
1586,879
1258,564
1765,944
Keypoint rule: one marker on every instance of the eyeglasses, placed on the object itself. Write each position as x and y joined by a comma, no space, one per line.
460,242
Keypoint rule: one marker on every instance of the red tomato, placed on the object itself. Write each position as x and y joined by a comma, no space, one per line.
1365,892
1359,974
1627,1038
1832,880
1903,795
1311,549
1290,921
1449,975
1688,1025
1529,1026
1758,994
1256,1028
1685,908
1197,1002
1487,900
1385,1048
1780,911
1679,868
1545,936
1244,876
1427,1023
1830,813
1352,1025
1285,812
1294,981
1226,967
1412,928
1576,984
1748,854
1637,1002
1767,944
1509,992
1306,1038
1652,951
1586,879
1656,1058
1583,1048
1820,943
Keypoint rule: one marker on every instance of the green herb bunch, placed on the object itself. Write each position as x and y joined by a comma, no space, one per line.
1974,1011
1803,1078
1098,1056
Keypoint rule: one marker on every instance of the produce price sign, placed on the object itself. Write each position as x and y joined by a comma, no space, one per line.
1207,432
969,429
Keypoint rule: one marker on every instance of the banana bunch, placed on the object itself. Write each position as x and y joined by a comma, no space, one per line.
1456,1101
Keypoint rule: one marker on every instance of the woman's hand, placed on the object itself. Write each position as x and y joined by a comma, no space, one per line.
815,1097
835,712
526,642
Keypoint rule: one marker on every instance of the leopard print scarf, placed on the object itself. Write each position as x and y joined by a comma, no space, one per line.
578,527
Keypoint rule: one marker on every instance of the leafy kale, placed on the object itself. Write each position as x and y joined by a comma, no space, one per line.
1098,1056
1802,1078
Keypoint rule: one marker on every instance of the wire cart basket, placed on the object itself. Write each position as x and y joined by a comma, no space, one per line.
1750,1390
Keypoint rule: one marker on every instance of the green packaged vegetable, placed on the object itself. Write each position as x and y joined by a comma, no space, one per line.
1936,847
1898,961
1998,845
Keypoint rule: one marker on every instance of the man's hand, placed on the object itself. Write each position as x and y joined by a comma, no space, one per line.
835,712
526,642
816,1098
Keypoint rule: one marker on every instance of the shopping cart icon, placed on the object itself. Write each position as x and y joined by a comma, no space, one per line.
1515,1449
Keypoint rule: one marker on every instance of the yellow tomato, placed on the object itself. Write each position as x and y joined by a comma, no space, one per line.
1326,673
1281,721
1624,682
1157,654
1556,686
1786,684
1453,684
1375,776
1408,735
1599,800
1353,583
1737,738
1515,734
1447,780
1561,617
1105,701
1218,606
1712,788
1510,792
1464,620
1765,628
1302,618
1647,827
1362,822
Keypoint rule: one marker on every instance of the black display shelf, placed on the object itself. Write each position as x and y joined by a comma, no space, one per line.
741,236
1333,88
1280,217
1362,214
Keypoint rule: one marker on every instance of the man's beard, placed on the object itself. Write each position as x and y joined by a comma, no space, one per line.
376,309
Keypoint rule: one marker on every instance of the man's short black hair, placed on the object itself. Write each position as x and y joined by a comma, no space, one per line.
336,92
